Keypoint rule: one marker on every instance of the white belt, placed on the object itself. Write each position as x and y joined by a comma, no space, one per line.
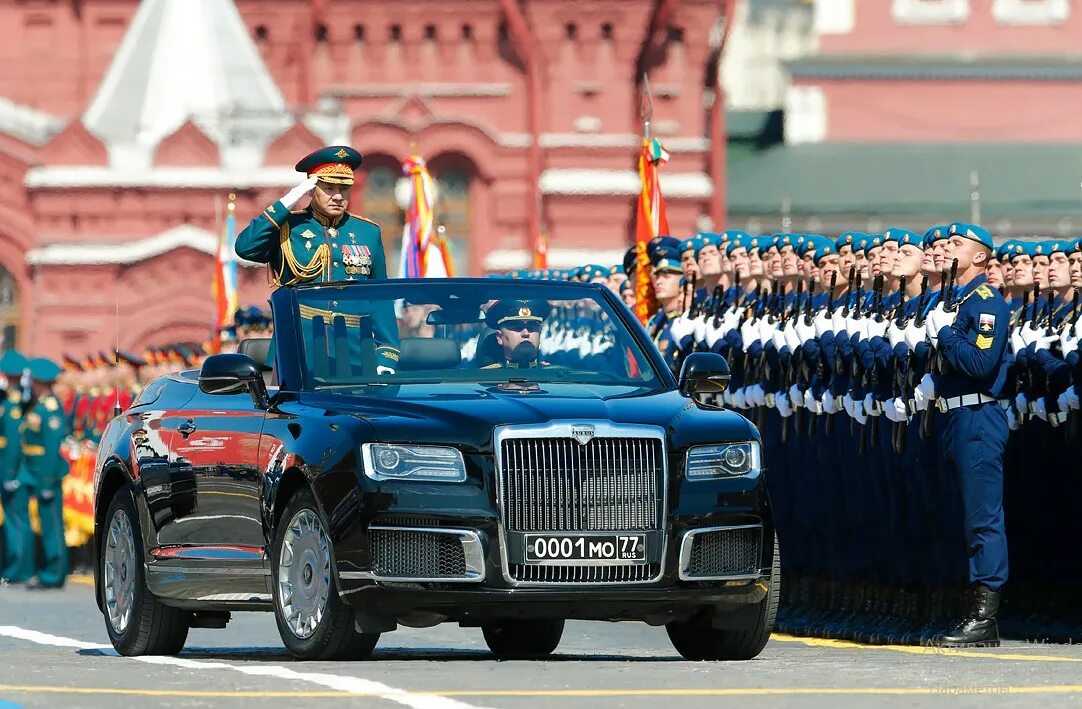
954,402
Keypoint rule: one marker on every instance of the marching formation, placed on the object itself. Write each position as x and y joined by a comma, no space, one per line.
900,381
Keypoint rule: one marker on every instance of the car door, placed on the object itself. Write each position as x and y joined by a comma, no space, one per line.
151,456
215,451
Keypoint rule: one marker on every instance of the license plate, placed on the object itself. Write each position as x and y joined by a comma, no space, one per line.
585,547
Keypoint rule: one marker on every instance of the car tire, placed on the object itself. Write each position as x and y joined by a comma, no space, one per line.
138,623
312,620
523,638
697,639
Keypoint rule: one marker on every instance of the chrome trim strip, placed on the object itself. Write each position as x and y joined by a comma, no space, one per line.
685,553
211,570
473,550
562,429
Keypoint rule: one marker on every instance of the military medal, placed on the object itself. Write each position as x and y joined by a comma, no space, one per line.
332,231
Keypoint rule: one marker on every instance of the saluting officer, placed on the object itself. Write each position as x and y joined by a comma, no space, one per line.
44,427
972,341
18,560
324,242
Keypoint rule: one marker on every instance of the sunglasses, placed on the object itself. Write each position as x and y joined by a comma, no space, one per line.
528,325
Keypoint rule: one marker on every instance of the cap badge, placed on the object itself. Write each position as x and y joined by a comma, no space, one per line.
341,153
524,312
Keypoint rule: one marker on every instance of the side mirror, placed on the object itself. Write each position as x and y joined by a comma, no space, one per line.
233,373
704,374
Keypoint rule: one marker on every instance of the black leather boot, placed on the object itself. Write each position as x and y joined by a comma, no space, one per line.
979,628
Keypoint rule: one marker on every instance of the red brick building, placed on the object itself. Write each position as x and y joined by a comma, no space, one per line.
125,125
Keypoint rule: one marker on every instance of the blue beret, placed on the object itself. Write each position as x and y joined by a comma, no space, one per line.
874,241
823,249
1076,246
847,238
1058,246
904,236
43,370
616,268
594,270
1005,248
12,363
1022,248
737,243
972,232
335,163
625,285
934,234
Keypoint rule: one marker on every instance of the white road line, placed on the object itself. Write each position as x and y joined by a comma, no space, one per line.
340,683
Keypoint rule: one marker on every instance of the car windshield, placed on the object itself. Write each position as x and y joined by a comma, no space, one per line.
468,331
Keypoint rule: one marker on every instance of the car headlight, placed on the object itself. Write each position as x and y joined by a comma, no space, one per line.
723,460
388,461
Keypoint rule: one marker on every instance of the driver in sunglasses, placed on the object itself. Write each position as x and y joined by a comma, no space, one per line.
518,331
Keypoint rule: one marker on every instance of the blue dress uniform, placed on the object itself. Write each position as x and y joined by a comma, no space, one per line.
18,561
306,246
973,438
43,429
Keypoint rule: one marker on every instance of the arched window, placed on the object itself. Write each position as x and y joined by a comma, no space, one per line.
453,212
378,204
9,311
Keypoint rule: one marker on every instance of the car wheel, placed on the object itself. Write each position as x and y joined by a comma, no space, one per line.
523,638
138,623
697,639
313,621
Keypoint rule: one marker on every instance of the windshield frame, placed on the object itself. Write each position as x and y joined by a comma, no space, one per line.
291,360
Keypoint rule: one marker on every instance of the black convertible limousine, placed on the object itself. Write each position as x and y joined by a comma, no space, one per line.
429,451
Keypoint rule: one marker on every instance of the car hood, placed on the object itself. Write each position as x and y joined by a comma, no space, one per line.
465,415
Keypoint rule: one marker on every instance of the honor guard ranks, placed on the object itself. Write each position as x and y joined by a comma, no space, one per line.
304,246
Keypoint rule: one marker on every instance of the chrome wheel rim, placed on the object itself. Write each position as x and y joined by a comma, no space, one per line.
118,568
304,574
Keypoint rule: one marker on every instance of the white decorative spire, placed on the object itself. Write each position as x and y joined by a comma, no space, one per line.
181,60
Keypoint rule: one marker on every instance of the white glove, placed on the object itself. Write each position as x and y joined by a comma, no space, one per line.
937,320
823,323
805,332
729,321
859,327
830,404
1067,342
1068,399
739,399
1039,409
303,189
924,393
1078,329
875,329
869,405
757,395
895,334
899,409
781,403
792,339
847,404
809,400
778,337
858,412
713,334
838,321
700,329
1018,343
749,332
796,396
1021,403
1044,341
890,411
766,331
1030,333
914,334
681,327
381,369
11,486
1012,419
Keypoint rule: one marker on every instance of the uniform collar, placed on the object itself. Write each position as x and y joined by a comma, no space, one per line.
325,220
973,285
515,365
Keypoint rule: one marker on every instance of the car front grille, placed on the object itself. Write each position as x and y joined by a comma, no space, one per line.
624,573
723,552
416,554
556,484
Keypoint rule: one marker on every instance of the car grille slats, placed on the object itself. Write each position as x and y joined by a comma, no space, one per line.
411,553
726,552
559,485
624,573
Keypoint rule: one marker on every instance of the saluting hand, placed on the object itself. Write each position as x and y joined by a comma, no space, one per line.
302,190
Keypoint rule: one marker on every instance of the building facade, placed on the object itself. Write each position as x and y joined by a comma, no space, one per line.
127,124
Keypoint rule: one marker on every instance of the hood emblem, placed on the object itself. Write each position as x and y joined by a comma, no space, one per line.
582,433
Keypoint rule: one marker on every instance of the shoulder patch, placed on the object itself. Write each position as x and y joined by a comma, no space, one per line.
984,341
984,292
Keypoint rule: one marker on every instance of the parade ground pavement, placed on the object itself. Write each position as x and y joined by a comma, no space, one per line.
55,653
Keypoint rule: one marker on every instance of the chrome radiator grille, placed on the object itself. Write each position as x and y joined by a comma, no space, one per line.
559,485
584,574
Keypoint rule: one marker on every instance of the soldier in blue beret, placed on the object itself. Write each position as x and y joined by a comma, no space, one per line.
324,242
44,427
595,273
17,565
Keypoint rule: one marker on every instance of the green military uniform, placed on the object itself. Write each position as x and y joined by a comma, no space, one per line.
18,562
514,315
44,427
305,246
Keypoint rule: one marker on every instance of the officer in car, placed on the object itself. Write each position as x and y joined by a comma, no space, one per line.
324,242
518,326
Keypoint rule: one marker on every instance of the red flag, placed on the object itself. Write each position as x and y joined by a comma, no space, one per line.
541,252
650,221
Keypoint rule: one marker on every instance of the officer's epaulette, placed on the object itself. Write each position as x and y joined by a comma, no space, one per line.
363,219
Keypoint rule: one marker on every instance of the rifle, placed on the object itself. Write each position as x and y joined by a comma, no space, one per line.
808,304
870,435
833,290
856,286
693,307
719,304
897,429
